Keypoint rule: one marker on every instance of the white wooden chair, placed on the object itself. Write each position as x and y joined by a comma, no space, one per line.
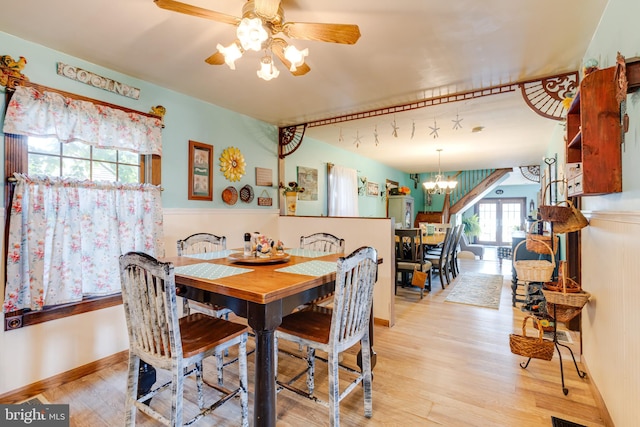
202,243
337,329
159,337
324,242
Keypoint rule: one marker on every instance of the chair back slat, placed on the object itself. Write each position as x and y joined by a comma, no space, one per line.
149,299
355,278
201,243
324,242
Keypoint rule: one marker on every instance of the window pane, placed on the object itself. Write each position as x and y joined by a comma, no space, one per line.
128,157
107,154
103,171
43,165
128,174
44,145
76,168
76,149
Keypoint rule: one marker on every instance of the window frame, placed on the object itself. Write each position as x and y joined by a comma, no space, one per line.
16,161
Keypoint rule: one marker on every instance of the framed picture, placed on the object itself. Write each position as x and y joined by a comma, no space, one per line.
200,174
373,189
308,179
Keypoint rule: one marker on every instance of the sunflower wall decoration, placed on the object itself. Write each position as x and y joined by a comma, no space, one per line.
232,164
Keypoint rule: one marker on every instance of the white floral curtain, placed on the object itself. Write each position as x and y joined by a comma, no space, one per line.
65,238
50,114
343,191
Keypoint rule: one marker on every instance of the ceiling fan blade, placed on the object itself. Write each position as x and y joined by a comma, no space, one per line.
215,59
278,50
267,9
333,33
188,9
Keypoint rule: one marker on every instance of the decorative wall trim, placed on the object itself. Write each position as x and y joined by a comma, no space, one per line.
92,79
626,217
213,211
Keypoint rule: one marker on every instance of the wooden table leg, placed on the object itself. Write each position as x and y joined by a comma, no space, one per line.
264,319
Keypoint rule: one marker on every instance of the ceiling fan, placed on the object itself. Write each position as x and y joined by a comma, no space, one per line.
261,21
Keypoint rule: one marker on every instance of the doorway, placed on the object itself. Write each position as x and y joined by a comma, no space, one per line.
499,218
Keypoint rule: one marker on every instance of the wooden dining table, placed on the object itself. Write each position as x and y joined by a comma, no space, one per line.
262,292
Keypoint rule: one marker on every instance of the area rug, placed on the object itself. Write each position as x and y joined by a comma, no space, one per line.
478,289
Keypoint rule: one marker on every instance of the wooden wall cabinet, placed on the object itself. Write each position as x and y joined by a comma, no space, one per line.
594,137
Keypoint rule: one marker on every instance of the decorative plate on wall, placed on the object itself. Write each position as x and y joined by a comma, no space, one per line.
230,195
246,193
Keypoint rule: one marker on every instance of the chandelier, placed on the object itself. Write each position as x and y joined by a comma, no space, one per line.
252,35
441,184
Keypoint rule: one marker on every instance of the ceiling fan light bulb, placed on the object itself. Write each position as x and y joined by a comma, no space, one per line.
252,33
267,70
230,53
295,56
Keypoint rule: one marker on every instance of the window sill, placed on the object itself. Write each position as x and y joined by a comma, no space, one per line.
20,319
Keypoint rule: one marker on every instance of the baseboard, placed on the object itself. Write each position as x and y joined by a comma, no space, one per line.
39,387
602,406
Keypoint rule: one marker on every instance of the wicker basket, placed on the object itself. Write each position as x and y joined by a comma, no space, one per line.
534,270
563,297
541,243
554,213
537,348
562,313
576,221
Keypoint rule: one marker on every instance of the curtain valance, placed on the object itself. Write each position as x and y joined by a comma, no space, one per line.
49,114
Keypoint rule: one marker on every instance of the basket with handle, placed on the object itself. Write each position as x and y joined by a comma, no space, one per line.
565,218
576,221
554,213
541,243
564,298
534,270
537,348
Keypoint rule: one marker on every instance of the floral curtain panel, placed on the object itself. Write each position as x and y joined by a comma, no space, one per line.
66,236
50,114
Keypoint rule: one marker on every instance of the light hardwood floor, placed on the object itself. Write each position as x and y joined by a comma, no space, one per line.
442,364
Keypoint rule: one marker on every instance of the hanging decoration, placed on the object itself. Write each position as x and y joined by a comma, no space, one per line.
456,123
340,137
10,67
434,129
357,141
395,128
375,135
413,128
232,164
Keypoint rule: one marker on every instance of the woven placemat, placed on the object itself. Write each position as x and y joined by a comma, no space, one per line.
206,270
310,268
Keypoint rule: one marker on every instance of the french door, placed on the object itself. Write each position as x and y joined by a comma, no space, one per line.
499,218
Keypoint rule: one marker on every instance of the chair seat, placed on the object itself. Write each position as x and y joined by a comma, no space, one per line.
404,265
201,333
311,324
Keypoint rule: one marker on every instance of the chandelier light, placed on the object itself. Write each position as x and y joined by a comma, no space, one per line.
252,35
441,184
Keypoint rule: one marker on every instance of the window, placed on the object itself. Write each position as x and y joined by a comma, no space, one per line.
27,153
48,156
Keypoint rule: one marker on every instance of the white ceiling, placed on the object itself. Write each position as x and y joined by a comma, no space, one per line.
409,50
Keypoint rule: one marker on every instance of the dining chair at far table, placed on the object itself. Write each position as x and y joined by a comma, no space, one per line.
439,259
410,256
159,337
334,330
